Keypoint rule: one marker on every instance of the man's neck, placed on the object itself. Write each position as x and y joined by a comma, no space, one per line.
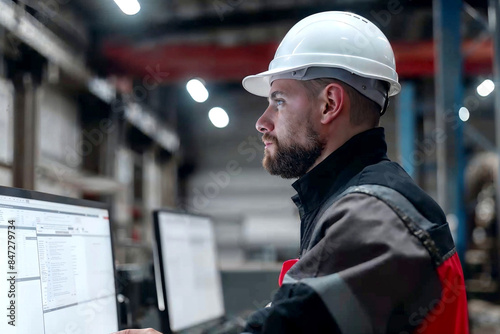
337,141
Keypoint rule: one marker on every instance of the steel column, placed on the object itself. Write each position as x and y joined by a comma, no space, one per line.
2,52
406,118
449,127
24,132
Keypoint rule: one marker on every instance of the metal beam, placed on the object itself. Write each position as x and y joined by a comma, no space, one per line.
37,36
449,97
231,63
33,33
224,14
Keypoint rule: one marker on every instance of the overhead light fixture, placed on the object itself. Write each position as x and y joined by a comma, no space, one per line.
197,90
486,87
464,114
218,117
129,7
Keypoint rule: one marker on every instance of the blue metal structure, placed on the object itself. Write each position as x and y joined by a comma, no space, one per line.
449,99
406,118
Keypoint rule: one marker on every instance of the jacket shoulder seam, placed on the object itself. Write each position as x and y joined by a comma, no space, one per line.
400,206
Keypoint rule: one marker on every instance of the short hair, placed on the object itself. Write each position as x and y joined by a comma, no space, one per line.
363,110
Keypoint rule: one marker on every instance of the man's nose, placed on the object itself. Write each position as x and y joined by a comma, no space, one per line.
264,123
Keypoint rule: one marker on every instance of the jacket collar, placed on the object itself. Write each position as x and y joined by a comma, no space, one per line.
323,180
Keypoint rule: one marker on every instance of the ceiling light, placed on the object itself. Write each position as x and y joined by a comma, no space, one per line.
486,87
464,114
129,7
197,90
218,117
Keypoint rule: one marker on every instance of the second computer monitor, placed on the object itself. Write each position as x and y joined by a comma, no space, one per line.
186,266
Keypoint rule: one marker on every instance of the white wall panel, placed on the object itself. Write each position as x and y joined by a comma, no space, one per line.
50,186
5,177
260,201
248,192
59,132
276,230
6,121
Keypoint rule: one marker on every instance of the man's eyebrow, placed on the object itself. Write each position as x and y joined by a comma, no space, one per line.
275,94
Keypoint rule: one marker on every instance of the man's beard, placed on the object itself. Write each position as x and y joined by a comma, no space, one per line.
293,161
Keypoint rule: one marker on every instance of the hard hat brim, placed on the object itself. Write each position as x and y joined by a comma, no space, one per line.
259,84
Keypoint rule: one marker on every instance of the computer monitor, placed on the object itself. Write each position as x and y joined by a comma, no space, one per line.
188,281
56,265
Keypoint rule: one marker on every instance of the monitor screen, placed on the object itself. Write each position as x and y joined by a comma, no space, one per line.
187,265
56,265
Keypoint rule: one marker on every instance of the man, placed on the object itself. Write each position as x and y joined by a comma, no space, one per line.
376,253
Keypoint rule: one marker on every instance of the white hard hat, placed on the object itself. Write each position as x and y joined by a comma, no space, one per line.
337,45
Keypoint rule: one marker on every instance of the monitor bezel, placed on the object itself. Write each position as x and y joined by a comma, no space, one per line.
41,196
158,251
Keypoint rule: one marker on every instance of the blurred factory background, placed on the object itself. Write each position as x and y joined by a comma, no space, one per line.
94,104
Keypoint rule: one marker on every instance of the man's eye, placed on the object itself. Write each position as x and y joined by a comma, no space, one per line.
279,102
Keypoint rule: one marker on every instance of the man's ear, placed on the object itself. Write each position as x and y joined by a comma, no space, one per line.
333,99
